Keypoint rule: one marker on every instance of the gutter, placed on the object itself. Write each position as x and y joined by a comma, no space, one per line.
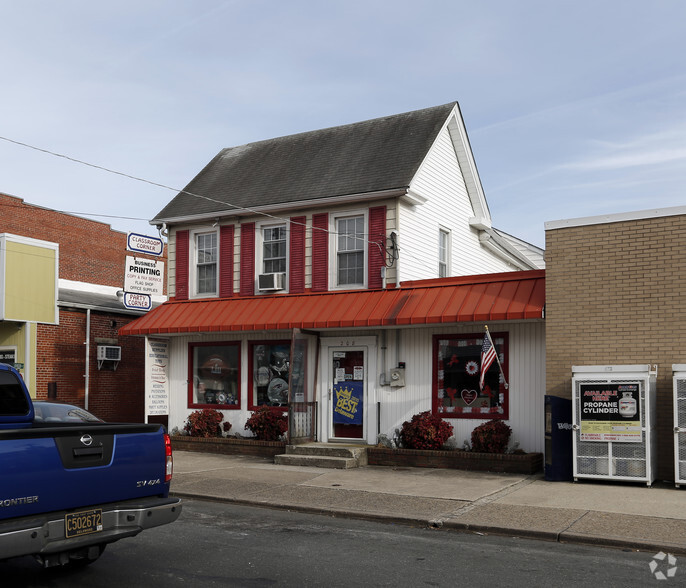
490,239
235,211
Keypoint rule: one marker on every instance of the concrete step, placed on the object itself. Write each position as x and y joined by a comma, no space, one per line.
323,455
328,450
317,461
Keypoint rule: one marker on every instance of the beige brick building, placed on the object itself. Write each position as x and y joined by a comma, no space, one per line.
615,294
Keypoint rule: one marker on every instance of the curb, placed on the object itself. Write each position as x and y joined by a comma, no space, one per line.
563,537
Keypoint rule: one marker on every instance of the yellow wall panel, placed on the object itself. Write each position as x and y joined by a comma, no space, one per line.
30,278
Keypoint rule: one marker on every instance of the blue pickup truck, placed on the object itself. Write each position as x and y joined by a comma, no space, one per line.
70,486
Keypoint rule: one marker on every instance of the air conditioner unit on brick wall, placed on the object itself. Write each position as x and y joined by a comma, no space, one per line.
109,353
267,282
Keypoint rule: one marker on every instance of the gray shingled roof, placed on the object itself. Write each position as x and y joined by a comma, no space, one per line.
370,156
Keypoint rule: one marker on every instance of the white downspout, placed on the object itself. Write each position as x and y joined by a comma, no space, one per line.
27,357
88,353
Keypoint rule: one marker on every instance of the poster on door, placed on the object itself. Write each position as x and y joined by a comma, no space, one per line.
348,402
610,412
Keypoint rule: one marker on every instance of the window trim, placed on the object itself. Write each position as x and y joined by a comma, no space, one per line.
333,247
448,246
251,368
259,253
193,263
503,350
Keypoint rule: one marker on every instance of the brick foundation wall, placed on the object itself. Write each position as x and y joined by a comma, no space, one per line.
614,296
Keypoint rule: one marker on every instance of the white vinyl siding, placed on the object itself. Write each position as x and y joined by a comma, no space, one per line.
526,361
526,373
440,181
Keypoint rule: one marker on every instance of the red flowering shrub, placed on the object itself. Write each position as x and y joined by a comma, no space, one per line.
205,423
491,437
425,431
266,424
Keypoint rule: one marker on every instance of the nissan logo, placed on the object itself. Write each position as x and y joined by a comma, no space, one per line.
87,440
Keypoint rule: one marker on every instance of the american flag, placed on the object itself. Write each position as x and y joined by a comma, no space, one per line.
487,357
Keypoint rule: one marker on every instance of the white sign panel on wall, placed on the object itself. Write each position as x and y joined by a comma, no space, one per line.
137,301
144,244
144,276
156,377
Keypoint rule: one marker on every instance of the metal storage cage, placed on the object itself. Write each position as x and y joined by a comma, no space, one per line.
679,380
614,422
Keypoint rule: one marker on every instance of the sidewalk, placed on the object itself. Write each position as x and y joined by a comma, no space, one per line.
610,514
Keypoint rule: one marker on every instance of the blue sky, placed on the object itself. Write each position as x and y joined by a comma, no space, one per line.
572,108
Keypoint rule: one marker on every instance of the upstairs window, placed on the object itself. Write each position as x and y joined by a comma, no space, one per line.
206,264
443,253
274,249
350,248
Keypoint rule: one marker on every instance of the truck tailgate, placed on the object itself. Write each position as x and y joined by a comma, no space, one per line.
76,465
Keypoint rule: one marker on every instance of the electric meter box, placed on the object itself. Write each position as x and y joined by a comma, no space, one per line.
614,422
679,380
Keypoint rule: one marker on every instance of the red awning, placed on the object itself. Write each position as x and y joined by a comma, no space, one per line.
488,297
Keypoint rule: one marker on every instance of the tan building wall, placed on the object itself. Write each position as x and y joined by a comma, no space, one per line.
615,294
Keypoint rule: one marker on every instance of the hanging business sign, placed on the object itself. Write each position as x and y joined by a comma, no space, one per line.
144,244
610,412
144,276
135,301
157,377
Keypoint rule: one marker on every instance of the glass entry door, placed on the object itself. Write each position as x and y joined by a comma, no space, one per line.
348,393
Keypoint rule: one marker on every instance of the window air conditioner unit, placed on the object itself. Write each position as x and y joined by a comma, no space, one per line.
109,353
271,281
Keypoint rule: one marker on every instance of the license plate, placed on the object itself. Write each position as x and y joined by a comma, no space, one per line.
83,523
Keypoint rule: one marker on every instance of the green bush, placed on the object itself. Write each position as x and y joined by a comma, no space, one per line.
205,423
425,431
267,424
491,437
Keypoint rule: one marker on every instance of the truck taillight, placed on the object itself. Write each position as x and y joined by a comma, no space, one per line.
170,460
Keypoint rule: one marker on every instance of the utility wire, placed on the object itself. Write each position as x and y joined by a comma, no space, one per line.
166,187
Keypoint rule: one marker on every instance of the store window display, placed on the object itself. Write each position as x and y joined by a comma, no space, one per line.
459,389
215,369
270,364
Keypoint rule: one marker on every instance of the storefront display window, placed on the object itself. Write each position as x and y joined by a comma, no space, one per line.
270,363
215,371
457,392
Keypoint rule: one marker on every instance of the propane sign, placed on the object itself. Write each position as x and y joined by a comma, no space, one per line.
611,412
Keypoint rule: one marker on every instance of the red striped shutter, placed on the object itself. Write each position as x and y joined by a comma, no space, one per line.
226,261
296,259
320,252
377,244
181,266
247,280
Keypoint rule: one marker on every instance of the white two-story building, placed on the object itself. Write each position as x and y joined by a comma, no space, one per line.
346,276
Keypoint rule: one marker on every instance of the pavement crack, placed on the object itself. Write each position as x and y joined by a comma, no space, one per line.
486,499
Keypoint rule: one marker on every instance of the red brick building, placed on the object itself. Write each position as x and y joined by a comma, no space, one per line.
64,362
